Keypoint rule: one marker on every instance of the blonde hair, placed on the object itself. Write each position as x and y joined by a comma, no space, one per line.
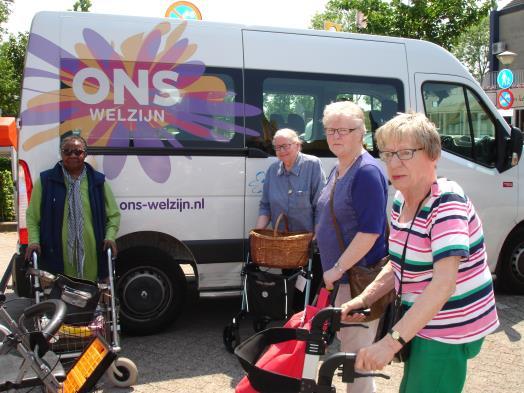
345,108
289,134
411,125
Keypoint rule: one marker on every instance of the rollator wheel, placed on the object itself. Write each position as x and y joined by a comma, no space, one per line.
122,373
260,324
229,338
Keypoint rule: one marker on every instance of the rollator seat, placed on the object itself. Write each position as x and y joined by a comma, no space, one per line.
10,365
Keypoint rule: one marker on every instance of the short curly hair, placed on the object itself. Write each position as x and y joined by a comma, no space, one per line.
346,108
73,138
411,125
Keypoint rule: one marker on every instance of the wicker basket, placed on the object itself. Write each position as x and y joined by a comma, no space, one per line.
285,250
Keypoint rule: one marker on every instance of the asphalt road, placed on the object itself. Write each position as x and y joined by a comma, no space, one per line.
189,355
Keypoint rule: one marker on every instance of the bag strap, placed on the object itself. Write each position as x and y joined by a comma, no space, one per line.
334,218
403,258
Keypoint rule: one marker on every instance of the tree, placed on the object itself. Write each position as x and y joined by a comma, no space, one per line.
12,55
472,48
4,12
82,5
438,21
346,18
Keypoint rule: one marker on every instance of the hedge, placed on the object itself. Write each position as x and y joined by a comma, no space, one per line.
7,206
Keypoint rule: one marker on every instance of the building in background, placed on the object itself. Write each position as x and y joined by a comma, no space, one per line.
507,34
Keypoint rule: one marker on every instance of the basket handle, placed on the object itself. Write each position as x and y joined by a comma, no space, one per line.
277,224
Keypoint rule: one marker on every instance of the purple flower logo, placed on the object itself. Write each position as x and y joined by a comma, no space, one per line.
147,94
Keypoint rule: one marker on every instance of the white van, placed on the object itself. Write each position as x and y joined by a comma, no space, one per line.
180,115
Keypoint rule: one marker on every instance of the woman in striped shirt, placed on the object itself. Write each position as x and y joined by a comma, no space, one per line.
447,290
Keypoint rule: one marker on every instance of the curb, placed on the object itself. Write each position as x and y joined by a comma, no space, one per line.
7,226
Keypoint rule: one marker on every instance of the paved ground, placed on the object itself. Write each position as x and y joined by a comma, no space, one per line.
189,356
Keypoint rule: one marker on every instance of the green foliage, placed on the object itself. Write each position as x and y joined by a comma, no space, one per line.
82,5
438,21
7,212
4,12
12,55
5,164
472,48
285,104
346,18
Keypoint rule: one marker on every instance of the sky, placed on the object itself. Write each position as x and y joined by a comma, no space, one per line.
283,13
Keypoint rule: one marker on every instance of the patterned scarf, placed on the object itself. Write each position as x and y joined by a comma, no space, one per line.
75,221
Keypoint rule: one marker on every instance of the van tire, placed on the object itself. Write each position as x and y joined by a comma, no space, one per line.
151,288
510,270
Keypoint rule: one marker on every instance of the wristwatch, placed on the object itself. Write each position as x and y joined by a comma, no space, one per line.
396,336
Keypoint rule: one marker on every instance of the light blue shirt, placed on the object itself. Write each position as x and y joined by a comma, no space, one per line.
293,192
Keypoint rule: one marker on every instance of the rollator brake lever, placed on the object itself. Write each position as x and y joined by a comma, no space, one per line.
380,375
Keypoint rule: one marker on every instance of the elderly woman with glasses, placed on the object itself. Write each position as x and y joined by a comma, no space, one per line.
438,263
292,185
352,223
72,216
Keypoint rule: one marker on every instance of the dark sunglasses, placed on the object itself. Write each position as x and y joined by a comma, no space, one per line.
76,152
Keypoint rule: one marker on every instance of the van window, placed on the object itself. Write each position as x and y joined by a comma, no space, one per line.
297,101
464,125
200,109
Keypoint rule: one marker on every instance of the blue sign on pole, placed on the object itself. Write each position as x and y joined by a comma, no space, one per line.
505,78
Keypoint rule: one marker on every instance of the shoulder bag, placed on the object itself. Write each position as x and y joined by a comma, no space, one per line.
394,311
361,276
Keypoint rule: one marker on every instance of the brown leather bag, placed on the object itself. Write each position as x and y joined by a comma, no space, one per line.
361,276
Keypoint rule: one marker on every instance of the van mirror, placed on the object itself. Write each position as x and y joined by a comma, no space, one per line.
8,132
515,145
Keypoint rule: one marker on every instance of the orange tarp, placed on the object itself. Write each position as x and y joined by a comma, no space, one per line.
8,132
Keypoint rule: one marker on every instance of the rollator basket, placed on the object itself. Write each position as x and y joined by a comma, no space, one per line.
274,358
269,295
285,250
80,296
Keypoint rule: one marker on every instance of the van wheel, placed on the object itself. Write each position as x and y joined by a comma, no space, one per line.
151,290
510,273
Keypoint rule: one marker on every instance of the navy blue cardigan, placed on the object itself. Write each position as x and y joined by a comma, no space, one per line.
52,216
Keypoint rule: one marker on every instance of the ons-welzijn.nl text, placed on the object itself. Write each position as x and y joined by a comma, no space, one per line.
173,204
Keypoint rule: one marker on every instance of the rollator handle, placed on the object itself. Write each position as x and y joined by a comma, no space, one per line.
364,311
345,361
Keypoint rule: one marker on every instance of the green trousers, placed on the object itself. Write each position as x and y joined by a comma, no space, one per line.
436,367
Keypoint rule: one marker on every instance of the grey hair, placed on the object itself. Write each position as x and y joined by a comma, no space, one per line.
73,138
346,108
411,125
288,133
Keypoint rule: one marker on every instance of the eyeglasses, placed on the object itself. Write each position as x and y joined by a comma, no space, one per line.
339,131
284,147
403,155
76,152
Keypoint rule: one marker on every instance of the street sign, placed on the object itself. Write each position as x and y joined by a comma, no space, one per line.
183,10
505,78
505,99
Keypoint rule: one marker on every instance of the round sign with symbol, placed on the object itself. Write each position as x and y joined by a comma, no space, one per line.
505,78
183,10
505,99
